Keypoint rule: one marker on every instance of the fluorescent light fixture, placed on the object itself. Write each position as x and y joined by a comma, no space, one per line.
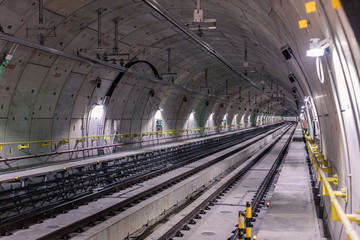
192,115
97,111
316,52
317,47
158,113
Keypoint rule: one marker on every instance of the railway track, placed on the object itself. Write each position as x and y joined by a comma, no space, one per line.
248,183
22,198
83,223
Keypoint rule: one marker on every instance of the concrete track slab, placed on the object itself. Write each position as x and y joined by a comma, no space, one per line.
220,220
134,217
291,214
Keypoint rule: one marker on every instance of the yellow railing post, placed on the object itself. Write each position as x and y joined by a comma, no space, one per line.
241,225
248,221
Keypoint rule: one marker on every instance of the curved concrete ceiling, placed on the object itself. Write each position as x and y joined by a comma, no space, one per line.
145,35
56,76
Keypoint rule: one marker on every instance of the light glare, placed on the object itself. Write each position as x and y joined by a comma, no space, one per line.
315,52
97,111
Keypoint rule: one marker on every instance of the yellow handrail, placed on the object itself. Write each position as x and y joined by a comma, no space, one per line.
337,213
62,141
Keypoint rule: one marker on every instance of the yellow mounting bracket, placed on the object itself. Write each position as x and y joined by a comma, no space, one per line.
46,143
1,146
324,162
329,171
334,179
64,141
354,217
107,138
343,193
319,155
80,140
23,145
97,138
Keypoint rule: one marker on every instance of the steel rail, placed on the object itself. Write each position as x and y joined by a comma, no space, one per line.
267,181
176,156
25,221
178,226
83,222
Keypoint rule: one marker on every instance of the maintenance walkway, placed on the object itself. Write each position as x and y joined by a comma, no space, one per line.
291,213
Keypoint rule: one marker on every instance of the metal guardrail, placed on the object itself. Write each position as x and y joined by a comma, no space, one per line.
63,141
27,220
337,212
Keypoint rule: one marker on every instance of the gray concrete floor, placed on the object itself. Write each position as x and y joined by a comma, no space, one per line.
291,214
220,220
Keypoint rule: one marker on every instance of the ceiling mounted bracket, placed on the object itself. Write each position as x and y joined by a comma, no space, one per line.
206,88
170,76
99,15
168,16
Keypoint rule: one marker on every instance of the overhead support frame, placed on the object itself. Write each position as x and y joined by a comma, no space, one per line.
167,15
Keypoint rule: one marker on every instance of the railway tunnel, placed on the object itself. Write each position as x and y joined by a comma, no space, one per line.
193,119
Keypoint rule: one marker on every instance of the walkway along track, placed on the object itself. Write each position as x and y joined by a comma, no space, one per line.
178,225
77,226
266,184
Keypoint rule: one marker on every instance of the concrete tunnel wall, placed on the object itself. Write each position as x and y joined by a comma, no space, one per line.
47,96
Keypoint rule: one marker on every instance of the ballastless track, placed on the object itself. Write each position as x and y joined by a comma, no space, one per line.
181,224
178,157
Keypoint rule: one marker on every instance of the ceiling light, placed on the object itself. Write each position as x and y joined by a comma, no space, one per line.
317,48
97,111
